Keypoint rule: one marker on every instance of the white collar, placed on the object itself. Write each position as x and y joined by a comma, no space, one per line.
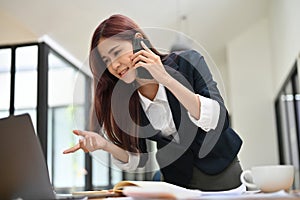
160,96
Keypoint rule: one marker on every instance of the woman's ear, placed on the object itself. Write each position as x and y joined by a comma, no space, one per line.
138,35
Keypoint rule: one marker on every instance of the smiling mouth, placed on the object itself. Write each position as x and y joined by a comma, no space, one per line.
123,72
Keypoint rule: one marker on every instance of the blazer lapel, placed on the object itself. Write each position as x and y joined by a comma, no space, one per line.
175,108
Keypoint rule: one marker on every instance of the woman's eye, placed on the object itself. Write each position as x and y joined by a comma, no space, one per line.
116,53
106,62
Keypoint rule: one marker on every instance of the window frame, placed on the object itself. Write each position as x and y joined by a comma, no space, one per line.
42,95
281,100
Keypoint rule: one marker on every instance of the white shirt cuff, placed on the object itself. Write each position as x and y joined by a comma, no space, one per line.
209,114
131,165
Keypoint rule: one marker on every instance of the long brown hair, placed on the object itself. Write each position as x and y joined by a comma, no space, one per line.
123,28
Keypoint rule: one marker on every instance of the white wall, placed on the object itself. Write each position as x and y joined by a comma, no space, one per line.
285,37
259,61
251,90
13,32
224,84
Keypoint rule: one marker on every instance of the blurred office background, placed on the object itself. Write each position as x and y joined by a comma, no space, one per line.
252,47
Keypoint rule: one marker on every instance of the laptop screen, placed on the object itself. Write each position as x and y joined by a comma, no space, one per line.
23,169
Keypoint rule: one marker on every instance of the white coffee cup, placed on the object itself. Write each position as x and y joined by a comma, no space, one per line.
269,178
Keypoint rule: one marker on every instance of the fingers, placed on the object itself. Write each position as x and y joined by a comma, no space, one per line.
145,47
141,58
72,149
81,133
82,144
88,142
146,56
143,53
145,59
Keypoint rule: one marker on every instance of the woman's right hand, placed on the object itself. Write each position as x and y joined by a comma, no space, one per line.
89,142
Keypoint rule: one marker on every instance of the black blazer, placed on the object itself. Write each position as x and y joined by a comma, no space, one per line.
210,151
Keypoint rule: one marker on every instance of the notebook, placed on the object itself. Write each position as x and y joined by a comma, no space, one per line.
23,169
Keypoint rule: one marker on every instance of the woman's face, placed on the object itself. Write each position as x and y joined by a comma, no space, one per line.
116,54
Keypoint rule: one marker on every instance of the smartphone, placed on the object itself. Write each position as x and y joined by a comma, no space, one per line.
136,44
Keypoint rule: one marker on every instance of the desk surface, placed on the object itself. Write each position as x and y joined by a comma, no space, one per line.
248,195
272,196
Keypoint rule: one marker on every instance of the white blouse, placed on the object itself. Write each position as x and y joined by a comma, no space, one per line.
160,116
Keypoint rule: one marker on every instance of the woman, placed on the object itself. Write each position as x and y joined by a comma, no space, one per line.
180,108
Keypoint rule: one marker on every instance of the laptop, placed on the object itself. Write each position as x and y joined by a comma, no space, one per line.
23,169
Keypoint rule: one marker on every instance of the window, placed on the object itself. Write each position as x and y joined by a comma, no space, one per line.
67,171
5,79
36,79
287,106
26,81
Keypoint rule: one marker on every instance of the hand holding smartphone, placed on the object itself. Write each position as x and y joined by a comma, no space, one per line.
136,44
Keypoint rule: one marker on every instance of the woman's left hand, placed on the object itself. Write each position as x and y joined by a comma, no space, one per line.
151,62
